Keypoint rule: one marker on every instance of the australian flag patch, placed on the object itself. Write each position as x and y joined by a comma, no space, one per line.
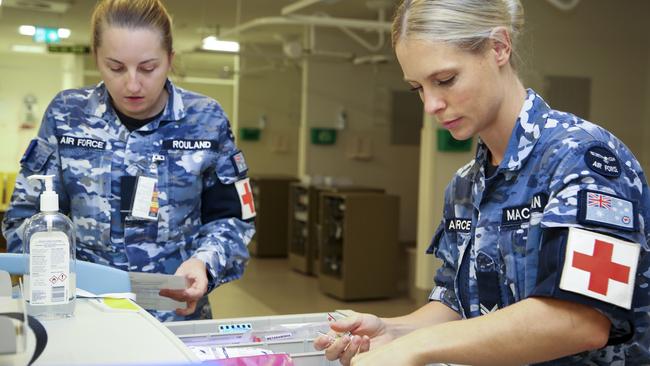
598,208
239,163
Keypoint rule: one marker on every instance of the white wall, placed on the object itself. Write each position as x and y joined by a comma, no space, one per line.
364,92
22,74
271,88
221,93
604,40
314,90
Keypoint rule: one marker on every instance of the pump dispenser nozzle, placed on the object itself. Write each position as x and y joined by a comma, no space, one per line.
49,198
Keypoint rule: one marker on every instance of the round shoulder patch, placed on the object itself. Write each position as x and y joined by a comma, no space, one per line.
603,161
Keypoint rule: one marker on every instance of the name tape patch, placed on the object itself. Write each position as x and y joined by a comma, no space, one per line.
456,225
607,210
177,144
517,215
603,161
82,142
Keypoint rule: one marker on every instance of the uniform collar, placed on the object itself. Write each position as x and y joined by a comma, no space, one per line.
99,105
524,136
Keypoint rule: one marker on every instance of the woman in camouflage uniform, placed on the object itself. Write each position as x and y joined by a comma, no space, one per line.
135,128
543,238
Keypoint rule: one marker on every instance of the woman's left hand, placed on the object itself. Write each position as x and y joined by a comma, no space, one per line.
195,272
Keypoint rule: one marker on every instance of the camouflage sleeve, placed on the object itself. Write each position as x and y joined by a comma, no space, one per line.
574,177
443,291
225,231
40,157
595,187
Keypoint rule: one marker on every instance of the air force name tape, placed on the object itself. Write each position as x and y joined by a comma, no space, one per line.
600,266
178,144
82,142
245,194
603,161
455,225
517,215
597,208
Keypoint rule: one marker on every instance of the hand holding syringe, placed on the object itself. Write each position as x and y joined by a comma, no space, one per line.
351,334
333,339
331,317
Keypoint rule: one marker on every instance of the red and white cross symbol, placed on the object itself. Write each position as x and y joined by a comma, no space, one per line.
245,198
600,266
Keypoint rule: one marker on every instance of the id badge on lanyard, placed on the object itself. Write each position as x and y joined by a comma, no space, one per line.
145,198
145,205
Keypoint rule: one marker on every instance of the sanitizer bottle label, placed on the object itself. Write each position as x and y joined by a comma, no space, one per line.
49,268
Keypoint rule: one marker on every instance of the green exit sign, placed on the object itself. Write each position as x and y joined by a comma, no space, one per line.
76,49
323,136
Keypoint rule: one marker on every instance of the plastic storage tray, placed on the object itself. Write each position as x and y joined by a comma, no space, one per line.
292,334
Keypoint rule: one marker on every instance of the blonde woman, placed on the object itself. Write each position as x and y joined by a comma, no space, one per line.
543,239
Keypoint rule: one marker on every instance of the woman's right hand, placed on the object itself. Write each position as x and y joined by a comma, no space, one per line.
360,333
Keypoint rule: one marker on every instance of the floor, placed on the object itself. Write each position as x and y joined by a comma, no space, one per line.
270,287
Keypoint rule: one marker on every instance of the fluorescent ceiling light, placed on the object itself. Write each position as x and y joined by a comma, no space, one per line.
27,30
211,43
63,32
30,30
28,48
49,37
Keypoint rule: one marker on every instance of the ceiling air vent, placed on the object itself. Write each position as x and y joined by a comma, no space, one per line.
50,6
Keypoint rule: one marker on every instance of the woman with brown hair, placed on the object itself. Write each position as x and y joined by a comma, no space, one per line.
148,172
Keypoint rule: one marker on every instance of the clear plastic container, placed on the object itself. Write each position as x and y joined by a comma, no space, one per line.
49,245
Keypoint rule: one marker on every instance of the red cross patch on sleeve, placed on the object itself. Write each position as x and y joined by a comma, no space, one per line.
600,266
245,194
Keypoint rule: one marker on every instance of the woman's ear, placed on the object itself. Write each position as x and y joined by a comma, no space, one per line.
501,45
171,57
170,67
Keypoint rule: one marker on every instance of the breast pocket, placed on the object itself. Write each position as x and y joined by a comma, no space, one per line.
457,243
87,181
512,244
184,184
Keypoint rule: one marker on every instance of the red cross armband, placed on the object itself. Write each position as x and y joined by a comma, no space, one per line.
245,194
590,268
600,266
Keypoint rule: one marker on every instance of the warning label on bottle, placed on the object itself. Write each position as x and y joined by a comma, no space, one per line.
49,268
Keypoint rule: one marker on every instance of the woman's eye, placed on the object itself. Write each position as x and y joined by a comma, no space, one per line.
415,88
116,69
448,81
147,69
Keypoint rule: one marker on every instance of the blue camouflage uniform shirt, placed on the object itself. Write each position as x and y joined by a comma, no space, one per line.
191,153
503,237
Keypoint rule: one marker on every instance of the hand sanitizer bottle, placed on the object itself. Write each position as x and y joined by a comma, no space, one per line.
49,245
